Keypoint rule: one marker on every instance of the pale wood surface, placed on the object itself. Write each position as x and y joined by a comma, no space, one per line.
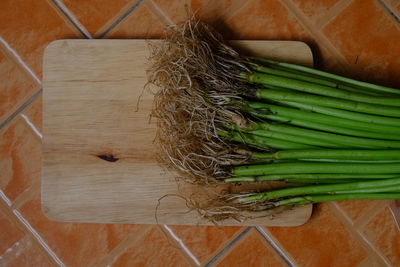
91,89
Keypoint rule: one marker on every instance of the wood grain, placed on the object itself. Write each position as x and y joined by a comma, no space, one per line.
99,163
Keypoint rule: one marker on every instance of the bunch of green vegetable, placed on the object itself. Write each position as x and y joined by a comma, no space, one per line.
226,118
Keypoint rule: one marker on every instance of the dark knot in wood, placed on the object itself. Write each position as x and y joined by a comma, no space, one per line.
108,157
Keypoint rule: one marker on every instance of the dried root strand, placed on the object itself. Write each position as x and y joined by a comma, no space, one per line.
195,71
226,206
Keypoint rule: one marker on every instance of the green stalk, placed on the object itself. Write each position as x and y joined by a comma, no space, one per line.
295,138
392,188
302,86
326,121
307,176
343,154
319,189
310,78
298,201
299,181
354,116
328,128
239,179
342,161
261,142
316,167
318,181
277,95
348,141
338,84
334,77
287,74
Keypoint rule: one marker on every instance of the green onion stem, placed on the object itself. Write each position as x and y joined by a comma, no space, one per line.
391,188
331,154
261,142
348,141
282,71
328,120
316,167
328,127
319,189
303,200
335,77
295,138
307,176
345,114
310,78
318,181
287,74
277,95
312,88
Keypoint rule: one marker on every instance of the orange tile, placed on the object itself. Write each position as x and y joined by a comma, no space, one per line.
76,244
320,241
141,23
16,87
204,241
394,6
152,249
383,231
356,208
31,256
9,233
314,9
175,10
29,25
369,41
265,19
93,14
214,11
371,261
20,154
252,250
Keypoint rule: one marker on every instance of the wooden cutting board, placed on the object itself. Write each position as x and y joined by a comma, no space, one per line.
99,162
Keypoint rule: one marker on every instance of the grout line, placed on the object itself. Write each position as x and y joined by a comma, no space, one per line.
332,13
60,5
38,238
22,224
236,7
5,198
181,244
32,126
121,18
369,214
389,10
394,208
124,245
14,251
370,260
321,39
156,10
275,246
347,222
27,195
12,53
228,247
20,108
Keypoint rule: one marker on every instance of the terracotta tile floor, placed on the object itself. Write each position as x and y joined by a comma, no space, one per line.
358,37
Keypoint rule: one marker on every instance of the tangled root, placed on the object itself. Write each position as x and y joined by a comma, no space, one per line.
196,73
226,206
